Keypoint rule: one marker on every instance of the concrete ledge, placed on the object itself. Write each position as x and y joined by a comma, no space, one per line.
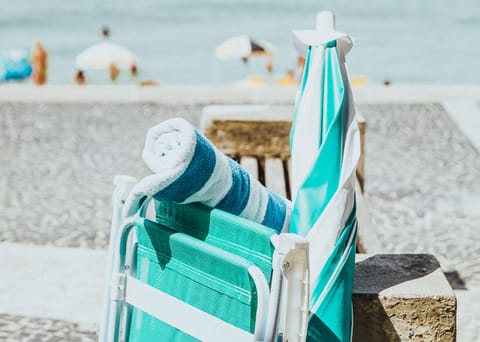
466,115
52,282
402,297
168,94
226,93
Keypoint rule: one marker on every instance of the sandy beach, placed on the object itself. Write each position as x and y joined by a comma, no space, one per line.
62,145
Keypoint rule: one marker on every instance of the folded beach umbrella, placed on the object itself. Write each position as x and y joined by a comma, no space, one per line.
325,148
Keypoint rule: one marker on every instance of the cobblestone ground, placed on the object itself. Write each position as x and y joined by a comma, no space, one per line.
422,185
57,164
27,329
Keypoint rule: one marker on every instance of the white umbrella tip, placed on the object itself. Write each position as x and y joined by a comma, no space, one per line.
325,21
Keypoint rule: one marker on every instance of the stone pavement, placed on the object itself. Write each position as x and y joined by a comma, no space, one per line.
29,329
58,161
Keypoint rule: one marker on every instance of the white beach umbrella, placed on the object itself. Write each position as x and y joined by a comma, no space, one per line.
243,46
103,55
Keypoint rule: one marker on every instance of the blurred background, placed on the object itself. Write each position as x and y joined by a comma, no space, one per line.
406,41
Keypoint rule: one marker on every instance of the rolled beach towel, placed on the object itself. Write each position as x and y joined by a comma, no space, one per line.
188,168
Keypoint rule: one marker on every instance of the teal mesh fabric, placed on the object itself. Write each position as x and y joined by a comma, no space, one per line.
188,263
231,233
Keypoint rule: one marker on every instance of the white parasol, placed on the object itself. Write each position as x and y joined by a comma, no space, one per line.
243,47
105,54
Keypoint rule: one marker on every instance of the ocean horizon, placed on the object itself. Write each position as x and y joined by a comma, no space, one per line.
402,42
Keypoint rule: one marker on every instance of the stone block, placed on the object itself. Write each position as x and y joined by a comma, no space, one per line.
402,297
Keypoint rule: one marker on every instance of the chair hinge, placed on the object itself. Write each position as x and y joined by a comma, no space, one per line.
118,287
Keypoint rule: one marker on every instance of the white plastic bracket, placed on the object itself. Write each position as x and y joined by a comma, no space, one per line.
123,185
118,285
324,33
293,252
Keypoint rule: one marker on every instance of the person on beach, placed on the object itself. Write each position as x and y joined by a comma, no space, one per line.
114,72
39,64
80,78
300,68
269,61
133,70
105,32
288,79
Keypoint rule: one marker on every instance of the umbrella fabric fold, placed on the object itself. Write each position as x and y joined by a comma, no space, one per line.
327,154
325,148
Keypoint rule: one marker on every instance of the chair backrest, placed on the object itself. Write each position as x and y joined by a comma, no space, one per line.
245,238
202,257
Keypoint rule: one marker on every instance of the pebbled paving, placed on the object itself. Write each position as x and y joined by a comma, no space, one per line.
422,185
57,164
29,329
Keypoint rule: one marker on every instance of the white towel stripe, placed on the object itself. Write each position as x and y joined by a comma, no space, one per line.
257,202
217,186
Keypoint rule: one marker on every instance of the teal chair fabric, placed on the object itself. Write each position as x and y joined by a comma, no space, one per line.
202,257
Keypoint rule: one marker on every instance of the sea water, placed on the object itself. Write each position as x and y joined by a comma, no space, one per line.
408,41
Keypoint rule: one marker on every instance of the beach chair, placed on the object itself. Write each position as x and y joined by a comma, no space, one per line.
187,272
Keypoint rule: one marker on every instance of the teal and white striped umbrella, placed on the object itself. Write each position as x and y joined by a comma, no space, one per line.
325,148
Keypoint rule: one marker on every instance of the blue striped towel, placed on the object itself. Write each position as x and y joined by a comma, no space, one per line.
188,168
